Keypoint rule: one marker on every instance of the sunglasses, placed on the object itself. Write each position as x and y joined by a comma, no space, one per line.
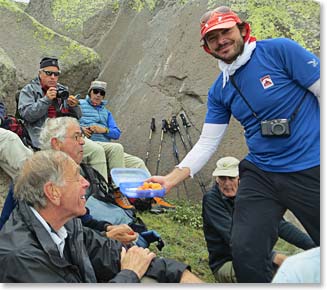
50,73
97,91
206,16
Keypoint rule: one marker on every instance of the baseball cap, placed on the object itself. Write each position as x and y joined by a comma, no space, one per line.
227,166
220,18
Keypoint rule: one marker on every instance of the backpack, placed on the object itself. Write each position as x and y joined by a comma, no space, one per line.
102,190
99,187
17,126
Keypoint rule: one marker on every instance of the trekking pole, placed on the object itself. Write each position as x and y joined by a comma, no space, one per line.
175,152
163,130
186,126
176,126
198,176
172,129
152,129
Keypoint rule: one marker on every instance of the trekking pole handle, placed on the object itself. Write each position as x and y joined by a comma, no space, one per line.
185,124
153,124
174,124
164,125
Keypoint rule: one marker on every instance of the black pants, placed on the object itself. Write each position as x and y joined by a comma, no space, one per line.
261,202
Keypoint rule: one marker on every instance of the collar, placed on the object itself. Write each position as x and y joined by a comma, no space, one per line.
57,237
230,69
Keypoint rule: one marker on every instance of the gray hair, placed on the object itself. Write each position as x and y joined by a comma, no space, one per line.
55,128
40,168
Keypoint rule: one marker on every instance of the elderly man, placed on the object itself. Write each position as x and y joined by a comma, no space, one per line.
217,211
64,134
44,98
44,242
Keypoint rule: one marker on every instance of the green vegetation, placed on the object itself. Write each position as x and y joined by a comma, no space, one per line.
282,18
184,240
74,13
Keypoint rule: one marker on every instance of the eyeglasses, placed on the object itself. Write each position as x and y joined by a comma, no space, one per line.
97,91
78,137
206,16
50,73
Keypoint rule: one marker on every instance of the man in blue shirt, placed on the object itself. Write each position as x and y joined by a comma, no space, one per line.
272,88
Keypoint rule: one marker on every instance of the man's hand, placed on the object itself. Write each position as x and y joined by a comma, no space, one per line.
51,93
87,131
172,179
122,233
72,101
98,129
136,259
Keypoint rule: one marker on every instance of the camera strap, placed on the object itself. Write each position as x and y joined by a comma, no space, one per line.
254,113
244,99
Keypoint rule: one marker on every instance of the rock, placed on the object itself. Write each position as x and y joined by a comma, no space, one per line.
27,41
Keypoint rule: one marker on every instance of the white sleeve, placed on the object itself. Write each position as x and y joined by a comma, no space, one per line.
315,89
206,146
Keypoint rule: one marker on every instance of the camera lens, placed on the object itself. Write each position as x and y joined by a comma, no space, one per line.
278,129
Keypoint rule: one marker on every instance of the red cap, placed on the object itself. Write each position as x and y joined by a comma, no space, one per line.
218,20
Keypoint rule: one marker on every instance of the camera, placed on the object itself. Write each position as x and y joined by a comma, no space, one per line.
62,92
276,127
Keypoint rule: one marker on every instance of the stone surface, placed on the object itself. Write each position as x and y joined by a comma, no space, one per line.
25,41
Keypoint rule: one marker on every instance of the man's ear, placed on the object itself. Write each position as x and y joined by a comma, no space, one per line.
52,192
55,143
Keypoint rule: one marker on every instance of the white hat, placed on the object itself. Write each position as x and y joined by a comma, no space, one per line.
98,85
227,166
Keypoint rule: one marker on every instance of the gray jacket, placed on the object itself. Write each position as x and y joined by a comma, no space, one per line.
29,255
33,108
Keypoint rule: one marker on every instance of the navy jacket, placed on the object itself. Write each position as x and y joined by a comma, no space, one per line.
217,212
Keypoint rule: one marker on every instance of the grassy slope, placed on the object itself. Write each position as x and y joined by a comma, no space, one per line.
184,240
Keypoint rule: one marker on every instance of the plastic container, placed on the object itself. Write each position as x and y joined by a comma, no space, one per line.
129,179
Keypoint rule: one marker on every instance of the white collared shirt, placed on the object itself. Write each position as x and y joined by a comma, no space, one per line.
57,237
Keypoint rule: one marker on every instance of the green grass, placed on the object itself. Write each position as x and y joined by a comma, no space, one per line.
184,240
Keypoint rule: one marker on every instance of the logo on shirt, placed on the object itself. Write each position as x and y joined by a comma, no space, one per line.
266,82
313,62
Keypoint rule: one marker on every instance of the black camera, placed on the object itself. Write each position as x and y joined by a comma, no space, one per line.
276,127
62,92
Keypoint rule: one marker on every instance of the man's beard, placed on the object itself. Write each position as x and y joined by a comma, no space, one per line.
239,51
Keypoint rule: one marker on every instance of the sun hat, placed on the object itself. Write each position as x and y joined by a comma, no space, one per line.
98,85
227,166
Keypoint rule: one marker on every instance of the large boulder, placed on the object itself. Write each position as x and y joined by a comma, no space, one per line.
85,21
26,41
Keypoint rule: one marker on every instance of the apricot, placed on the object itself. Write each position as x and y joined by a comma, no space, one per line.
150,185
